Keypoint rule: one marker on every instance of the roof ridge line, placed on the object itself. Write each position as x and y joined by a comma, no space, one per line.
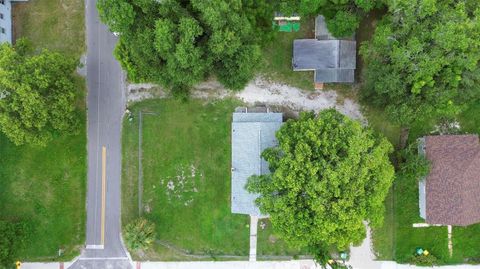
338,53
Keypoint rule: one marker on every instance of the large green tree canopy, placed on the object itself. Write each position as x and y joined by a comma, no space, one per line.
37,95
423,59
329,174
342,16
179,43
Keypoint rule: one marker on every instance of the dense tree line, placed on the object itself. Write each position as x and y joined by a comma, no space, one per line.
37,94
329,175
180,43
422,62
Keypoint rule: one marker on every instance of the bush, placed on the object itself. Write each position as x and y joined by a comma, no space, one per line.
414,165
139,234
428,260
340,266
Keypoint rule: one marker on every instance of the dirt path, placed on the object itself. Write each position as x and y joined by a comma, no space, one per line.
260,92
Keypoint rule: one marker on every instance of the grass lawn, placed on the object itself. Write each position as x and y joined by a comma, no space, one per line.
277,58
186,177
378,121
46,186
52,24
269,244
397,239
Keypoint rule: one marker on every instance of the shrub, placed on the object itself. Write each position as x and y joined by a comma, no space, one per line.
424,260
139,234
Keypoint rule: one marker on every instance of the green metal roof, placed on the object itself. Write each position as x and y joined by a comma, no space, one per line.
289,26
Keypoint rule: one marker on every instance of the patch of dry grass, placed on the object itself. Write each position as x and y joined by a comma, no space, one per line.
57,25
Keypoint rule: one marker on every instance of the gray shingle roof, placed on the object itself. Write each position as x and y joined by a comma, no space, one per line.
333,60
311,54
321,30
251,134
347,54
334,75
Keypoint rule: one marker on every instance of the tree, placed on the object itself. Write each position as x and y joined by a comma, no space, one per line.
329,174
120,14
37,95
422,62
343,24
342,16
140,234
179,43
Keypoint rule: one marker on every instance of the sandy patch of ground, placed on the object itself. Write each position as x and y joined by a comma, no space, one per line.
271,93
142,91
260,92
182,187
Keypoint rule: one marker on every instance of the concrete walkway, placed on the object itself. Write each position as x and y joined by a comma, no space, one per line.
299,264
39,265
393,265
253,238
362,256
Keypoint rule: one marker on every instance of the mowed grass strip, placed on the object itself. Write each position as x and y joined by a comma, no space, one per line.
186,177
52,24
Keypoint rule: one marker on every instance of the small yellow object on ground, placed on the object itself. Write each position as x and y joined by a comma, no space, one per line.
18,264
425,252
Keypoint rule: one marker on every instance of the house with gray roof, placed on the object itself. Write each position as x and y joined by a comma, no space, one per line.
6,27
332,60
449,194
252,133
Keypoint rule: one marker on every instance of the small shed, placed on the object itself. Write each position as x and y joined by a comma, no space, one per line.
252,133
286,23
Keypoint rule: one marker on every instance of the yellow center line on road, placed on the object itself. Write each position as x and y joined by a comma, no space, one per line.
104,188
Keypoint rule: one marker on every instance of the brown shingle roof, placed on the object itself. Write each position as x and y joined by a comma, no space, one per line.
453,185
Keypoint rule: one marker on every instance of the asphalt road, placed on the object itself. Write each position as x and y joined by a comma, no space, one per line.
106,106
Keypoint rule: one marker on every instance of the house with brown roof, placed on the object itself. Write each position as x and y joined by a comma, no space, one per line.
450,193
